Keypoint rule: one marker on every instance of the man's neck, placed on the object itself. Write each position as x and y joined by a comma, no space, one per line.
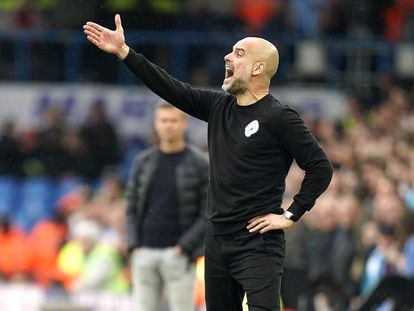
255,92
249,97
172,147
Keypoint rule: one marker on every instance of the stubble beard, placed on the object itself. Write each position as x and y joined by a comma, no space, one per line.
238,87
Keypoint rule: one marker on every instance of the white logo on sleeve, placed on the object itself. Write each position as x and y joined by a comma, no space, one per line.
251,128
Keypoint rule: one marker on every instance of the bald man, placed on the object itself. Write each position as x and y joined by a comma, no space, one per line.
253,140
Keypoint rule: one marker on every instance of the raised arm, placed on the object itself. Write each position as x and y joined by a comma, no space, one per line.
193,101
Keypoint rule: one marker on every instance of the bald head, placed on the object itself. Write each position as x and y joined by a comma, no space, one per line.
250,66
262,51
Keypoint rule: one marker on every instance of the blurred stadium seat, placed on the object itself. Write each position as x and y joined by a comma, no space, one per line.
124,167
36,201
8,194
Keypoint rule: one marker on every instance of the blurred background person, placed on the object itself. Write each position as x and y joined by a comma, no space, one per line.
10,152
377,265
166,215
100,138
50,136
44,243
91,263
14,261
398,288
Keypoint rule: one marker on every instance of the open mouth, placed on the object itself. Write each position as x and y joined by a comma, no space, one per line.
229,73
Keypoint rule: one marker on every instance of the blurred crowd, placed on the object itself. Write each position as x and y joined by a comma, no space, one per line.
56,149
356,235
78,247
49,35
362,229
390,19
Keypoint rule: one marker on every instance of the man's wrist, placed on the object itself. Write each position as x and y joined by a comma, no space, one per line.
289,215
123,52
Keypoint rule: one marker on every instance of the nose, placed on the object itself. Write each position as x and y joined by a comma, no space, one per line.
227,57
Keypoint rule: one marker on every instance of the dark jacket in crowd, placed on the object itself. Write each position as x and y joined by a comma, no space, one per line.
192,180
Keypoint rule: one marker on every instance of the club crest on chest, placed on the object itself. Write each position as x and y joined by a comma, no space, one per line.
251,128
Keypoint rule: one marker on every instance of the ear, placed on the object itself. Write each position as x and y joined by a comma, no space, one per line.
258,68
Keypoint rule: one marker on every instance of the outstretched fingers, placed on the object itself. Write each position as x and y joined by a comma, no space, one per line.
92,35
93,41
89,30
93,32
95,26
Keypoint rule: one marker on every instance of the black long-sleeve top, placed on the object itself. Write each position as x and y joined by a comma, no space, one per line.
251,149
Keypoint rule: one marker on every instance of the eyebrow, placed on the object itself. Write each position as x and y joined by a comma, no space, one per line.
239,49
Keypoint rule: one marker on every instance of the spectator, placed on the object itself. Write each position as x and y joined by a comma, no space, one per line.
93,265
294,279
166,215
106,197
255,14
107,207
44,243
10,154
33,163
344,249
377,266
50,136
403,257
398,288
321,237
101,139
76,159
14,254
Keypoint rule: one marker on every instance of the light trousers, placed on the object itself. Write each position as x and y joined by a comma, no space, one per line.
159,271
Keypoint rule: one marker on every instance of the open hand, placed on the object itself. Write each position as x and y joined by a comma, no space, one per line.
110,41
265,223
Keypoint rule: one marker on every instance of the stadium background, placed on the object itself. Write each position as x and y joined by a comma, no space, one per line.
72,118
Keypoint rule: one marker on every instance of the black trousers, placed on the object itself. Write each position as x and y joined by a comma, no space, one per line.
250,263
